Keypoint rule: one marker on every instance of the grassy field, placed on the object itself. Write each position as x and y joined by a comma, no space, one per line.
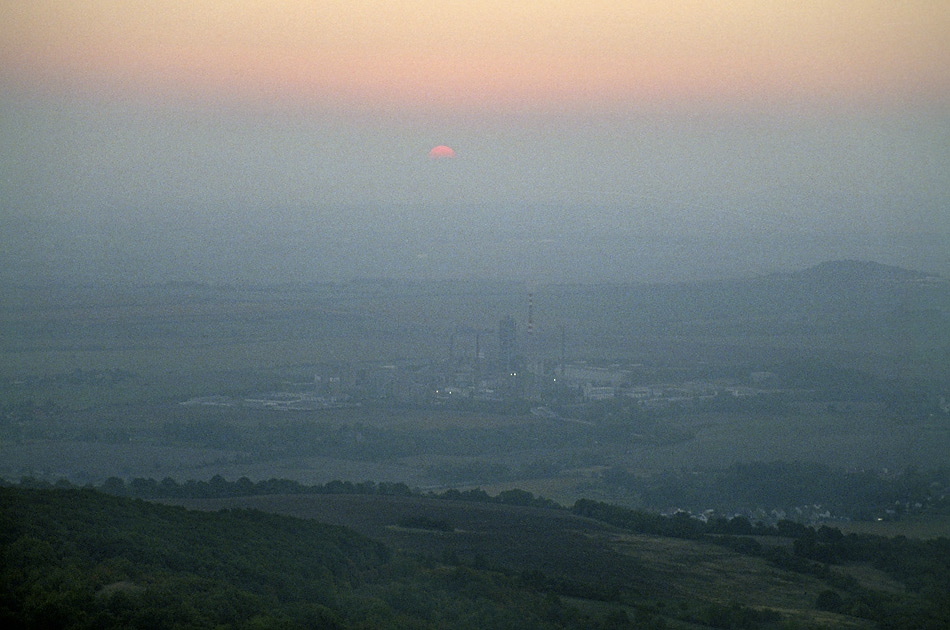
912,527
432,448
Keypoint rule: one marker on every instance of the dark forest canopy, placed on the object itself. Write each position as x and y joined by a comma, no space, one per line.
83,559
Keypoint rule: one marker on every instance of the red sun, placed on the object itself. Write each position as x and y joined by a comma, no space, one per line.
441,151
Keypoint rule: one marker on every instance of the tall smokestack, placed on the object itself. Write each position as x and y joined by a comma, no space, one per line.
530,314
529,349
563,350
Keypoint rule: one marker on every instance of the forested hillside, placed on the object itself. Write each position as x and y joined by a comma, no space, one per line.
84,559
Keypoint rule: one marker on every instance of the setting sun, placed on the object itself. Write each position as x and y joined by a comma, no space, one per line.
441,152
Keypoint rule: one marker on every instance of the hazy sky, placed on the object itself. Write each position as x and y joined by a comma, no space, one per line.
286,141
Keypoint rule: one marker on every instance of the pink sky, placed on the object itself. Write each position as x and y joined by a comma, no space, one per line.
451,54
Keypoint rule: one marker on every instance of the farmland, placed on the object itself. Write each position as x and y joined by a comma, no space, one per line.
840,366
779,402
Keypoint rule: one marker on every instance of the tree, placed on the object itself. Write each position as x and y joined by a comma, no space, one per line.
829,600
114,485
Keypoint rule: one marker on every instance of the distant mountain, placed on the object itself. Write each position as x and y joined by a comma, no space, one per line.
858,272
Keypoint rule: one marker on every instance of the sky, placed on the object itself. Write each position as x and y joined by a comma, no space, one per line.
288,141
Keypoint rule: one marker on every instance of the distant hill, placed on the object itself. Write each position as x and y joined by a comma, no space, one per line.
858,272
